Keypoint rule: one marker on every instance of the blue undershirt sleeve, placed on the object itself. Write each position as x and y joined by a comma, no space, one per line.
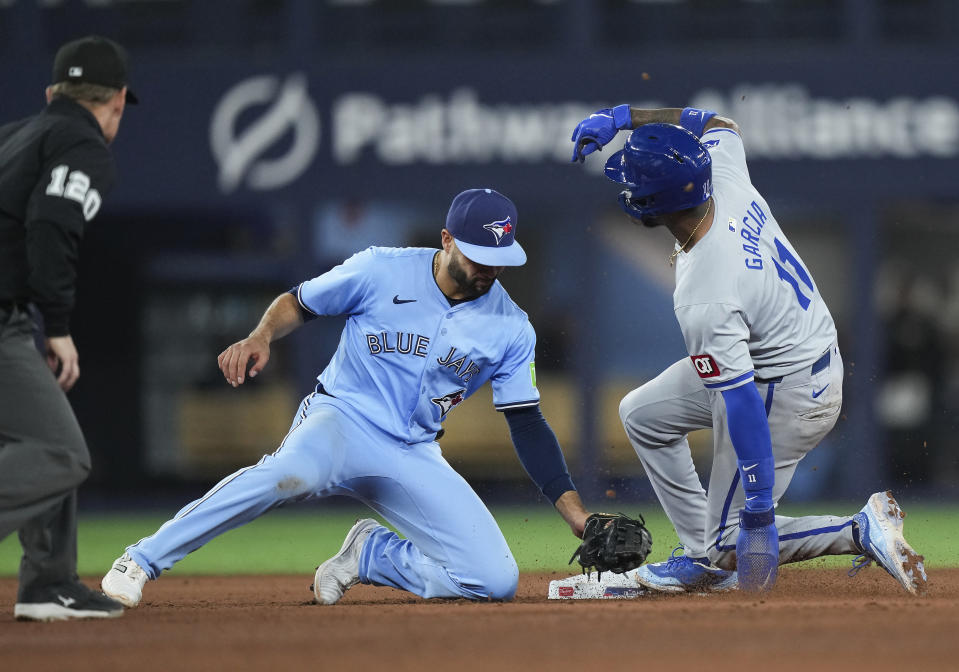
539,451
749,433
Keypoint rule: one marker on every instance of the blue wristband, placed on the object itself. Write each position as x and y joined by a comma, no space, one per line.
753,520
622,117
694,120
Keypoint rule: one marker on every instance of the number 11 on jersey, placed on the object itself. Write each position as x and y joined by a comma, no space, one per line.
788,257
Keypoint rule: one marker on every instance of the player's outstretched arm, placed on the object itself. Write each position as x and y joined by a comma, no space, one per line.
282,317
598,129
571,508
541,456
692,119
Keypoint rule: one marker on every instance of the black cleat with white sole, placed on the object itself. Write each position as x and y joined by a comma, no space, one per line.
65,601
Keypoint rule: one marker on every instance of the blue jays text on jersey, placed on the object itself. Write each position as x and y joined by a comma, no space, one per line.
401,343
418,345
406,357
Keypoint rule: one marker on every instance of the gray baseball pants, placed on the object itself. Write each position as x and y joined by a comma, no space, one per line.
43,458
801,409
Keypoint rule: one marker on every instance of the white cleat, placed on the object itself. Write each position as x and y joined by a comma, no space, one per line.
341,572
591,587
880,532
124,582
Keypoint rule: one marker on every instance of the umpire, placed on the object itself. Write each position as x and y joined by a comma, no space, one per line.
55,169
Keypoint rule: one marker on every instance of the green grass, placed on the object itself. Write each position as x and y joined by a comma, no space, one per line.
293,542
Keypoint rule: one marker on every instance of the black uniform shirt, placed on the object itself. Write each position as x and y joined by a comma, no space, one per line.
55,169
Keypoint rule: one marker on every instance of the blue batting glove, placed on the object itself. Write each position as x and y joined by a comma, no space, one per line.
598,129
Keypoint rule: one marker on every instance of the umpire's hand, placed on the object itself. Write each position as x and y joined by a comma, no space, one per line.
63,360
234,360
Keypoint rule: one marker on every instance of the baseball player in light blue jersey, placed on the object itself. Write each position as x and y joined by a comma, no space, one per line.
424,330
764,370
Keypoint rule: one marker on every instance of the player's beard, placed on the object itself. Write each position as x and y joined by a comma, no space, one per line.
647,222
471,287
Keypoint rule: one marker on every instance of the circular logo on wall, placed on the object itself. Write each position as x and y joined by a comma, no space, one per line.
284,107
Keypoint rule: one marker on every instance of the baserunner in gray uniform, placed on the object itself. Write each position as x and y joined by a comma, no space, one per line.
764,371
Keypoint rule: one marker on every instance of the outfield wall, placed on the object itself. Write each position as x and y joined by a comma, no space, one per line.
253,165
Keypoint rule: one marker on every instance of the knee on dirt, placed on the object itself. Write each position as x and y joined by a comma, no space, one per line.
496,583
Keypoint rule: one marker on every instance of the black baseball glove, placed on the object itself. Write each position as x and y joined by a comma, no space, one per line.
613,543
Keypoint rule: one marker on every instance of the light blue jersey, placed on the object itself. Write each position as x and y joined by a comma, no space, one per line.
406,357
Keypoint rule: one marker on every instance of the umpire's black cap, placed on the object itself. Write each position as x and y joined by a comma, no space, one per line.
95,60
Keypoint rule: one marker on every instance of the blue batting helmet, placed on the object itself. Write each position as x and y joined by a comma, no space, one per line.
665,168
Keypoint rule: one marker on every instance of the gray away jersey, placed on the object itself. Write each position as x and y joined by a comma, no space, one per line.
745,301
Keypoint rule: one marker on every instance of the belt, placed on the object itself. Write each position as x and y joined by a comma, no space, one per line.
821,363
10,306
817,366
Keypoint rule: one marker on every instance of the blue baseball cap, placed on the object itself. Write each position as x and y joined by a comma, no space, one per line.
483,223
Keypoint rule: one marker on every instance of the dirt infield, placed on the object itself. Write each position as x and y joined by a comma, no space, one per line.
813,620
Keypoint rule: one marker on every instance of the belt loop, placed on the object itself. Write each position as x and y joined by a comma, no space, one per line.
7,313
822,362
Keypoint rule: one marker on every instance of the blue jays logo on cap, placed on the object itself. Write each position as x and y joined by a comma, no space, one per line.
499,229
483,224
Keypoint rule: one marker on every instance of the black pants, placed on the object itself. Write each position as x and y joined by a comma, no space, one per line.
43,458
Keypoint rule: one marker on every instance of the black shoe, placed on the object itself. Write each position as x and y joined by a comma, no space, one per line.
62,601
